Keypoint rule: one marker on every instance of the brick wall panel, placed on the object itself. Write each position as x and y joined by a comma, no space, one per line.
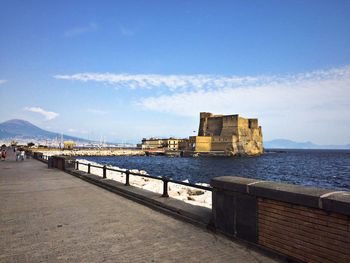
307,234
300,222
336,247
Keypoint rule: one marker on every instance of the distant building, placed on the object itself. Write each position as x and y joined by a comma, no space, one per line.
69,145
172,144
152,143
177,144
230,134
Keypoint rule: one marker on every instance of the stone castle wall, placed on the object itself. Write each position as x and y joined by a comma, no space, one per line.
229,133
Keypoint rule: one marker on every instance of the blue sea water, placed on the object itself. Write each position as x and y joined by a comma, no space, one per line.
318,168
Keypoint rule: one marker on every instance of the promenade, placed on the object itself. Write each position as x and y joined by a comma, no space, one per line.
47,215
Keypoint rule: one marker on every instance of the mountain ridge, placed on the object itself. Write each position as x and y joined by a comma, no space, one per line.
289,144
22,129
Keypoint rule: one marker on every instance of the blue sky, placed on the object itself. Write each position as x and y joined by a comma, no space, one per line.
131,69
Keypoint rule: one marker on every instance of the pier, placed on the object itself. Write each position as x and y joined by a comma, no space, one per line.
48,215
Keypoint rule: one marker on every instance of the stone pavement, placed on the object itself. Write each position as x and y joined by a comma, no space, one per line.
47,215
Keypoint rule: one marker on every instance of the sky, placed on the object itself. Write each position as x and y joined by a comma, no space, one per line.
124,70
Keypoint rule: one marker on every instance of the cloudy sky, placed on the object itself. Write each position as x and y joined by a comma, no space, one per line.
133,69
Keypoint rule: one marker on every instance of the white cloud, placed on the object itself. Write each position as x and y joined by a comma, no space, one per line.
200,82
96,111
171,82
75,31
2,81
49,115
318,89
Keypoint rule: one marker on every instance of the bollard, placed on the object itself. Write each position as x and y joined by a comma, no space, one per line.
104,172
50,162
165,187
127,173
89,168
77,166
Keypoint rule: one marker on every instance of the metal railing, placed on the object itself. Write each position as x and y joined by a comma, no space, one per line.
127,173
39,156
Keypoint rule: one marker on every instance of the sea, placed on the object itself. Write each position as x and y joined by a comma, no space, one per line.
317,168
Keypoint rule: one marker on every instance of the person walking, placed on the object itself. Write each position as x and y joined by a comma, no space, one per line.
22,154
3,154
17,155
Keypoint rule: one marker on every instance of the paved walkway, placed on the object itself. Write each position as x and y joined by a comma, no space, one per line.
50,216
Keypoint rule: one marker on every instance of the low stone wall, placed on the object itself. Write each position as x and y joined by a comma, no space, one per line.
37,155
61,162
304,224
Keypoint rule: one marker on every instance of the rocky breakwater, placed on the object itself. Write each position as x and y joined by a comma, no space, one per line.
187,194
93,152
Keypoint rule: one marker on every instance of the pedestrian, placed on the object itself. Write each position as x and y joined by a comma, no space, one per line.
17,155
3,154
22,154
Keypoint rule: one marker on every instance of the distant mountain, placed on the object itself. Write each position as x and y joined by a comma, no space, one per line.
22,129
288,144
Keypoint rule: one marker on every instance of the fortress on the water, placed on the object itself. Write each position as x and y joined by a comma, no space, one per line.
227,135
230,134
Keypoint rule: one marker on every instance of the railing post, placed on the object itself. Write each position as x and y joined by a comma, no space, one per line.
77,165
89,168
165,187
127,173
50,162
104,172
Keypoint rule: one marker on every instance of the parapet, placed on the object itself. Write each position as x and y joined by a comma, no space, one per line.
294,194
205,115
280,217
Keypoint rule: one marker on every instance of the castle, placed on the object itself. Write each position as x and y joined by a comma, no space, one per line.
230,134
227,135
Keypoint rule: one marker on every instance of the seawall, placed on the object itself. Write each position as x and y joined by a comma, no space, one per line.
305,224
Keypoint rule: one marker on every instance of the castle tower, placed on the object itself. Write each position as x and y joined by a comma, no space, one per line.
203,123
